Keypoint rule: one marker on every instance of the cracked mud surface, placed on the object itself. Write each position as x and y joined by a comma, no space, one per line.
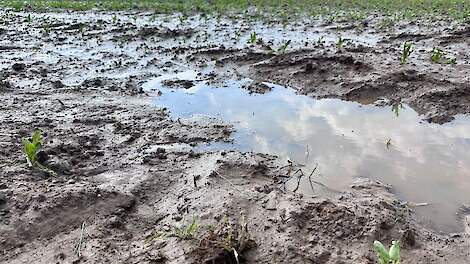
126,168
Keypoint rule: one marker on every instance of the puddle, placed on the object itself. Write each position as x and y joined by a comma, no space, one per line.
425,163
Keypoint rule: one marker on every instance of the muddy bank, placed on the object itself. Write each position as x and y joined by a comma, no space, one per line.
128,171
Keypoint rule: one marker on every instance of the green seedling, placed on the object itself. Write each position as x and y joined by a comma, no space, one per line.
341,42
82,29
238,34
29,18
356,15
46,29
186,231
451,61
284,46
396,108
321,40
436,55
31,148
253,38
182,18
391,256
387,22
407,50
332,17
234,240
114,19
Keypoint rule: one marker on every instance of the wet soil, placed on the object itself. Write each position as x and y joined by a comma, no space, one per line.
128,168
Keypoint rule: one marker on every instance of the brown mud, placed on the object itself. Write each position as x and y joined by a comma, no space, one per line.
127,169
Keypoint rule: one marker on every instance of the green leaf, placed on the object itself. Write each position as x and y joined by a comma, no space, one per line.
37,138
382,251
394,252
451,61
30,151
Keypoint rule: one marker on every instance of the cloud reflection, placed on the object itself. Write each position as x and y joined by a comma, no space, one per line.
425,163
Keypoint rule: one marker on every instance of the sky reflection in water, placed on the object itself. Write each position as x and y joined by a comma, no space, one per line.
425,162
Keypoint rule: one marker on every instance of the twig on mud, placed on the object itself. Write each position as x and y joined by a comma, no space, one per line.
233,185
280,168
298,179
412,204
78,247
60,101
310,177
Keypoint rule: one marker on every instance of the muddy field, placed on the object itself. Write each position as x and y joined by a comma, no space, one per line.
129,171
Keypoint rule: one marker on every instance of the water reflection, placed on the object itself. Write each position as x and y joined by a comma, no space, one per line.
425,163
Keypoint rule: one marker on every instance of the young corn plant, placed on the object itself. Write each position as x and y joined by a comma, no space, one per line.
29,18
451,61
31,147
283,47
183,18
391,256
407,50
46,29
340,43
321,41
228,241
436,55
81,29
186,231
253,38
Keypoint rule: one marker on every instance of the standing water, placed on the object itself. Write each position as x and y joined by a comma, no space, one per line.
425,163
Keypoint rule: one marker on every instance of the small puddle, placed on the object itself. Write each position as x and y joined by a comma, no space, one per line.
425,163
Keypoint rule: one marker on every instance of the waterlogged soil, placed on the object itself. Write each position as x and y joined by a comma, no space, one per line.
132,167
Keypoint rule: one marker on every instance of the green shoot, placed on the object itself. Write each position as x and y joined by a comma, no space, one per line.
29,18
396,107
229,242
436,55
114,19
31,148
186,231
387,22
182,18
341,42
232,239
321,40
82,29
238,34
385,256
284,46
253,38
451,61
46,29
407,50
